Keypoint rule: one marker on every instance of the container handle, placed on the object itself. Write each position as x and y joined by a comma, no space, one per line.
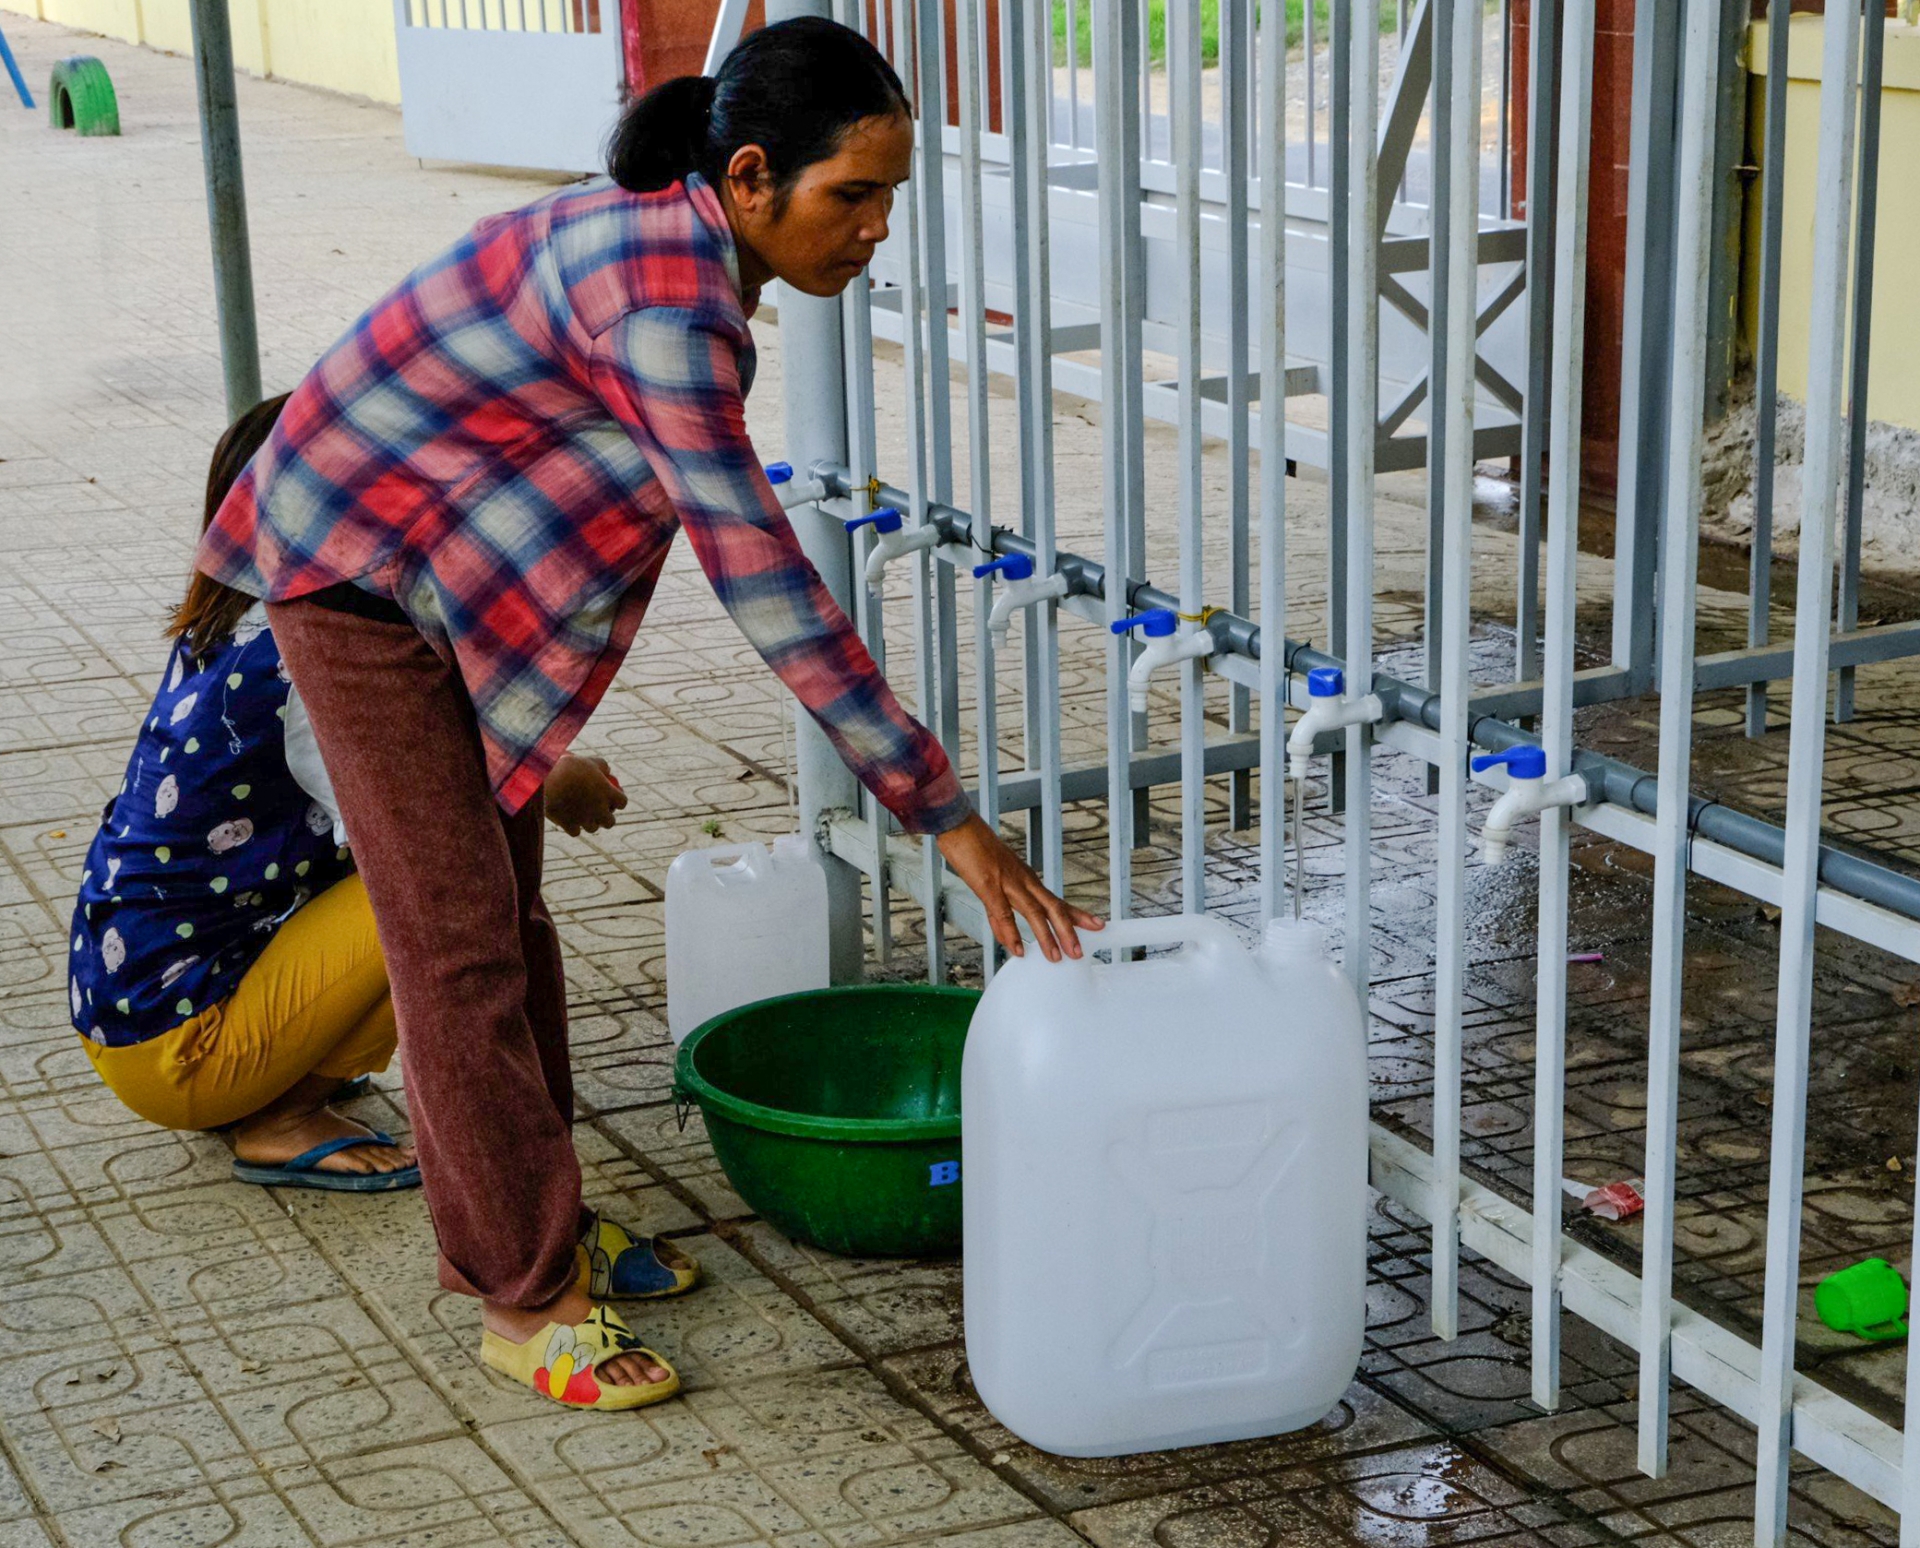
728,863
1121,935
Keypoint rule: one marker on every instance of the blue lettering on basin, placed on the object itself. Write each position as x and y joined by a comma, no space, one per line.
943,1174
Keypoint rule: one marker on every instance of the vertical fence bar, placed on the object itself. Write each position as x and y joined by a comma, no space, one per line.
1270,115
930,416
1144,11
1503,169
1236,45
1766,352
226,204
1556,721
1029,97
1118,57
863,459
1643,384
1679,574
1363,394
1456,630
1307,20
1543,47
1020,131
1872,67
969,40
813,391
1340,284
918,432
1825,451
1439,255
1073,73
1183,79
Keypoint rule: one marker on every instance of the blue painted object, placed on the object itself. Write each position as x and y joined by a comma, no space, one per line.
13,69
1156,623
1013,567
1326,683
1521,762
779,472
886,519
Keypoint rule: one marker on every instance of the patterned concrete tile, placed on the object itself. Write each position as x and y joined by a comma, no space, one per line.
880,1306
828,1453
681,1154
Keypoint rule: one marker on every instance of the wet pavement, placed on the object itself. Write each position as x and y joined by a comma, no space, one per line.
187,1361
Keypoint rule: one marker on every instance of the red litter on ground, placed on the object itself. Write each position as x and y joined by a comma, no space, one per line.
1586,956
1616,1201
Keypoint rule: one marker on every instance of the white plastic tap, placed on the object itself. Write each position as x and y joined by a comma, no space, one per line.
791,491
1021,590
893,542
1165,645
1528,791
1328,709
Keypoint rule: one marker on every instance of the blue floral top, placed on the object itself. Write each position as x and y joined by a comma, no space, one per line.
208,848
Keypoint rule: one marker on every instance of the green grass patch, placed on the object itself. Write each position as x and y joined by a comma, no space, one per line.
1209,28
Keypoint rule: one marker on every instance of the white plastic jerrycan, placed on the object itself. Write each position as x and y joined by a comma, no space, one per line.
743,925
1165,1164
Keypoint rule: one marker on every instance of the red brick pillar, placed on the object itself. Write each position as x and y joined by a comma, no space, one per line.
1606,221
666,38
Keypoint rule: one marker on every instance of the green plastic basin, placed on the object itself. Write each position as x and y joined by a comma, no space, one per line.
836,1113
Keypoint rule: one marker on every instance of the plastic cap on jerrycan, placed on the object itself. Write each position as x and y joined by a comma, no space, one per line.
743,924
1165,1171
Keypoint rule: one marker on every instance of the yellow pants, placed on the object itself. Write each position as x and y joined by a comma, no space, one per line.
315,1003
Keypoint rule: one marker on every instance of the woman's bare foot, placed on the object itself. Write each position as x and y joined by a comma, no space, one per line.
571,1306
298,1120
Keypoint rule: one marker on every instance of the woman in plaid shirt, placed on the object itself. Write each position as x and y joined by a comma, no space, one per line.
457,525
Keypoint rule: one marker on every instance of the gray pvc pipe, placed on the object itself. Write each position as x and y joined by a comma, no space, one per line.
1608,779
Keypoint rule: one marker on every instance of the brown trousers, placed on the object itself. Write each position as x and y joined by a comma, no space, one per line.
471,951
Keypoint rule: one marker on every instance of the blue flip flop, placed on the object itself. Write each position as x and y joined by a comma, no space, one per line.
303,1171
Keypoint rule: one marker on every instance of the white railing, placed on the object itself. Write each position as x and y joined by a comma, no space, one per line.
1154,258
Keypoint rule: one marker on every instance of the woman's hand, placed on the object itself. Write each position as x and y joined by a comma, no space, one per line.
1004,882
583,795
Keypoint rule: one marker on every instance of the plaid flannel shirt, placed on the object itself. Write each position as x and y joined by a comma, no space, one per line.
505,447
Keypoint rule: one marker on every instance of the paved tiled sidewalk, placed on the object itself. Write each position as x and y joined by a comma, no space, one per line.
184,1361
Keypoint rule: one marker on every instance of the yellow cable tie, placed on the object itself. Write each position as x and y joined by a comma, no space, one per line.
1204,616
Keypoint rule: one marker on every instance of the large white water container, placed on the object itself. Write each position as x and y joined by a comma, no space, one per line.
743,924
1165,1173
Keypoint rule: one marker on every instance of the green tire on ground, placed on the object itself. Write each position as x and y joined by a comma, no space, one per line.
80,97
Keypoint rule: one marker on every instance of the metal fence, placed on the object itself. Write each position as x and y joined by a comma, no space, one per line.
1202,204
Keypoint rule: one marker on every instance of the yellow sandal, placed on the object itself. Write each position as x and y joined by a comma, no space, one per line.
617,1265
558,1362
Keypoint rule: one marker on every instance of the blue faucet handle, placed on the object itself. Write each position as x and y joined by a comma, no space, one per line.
1521,762
779,472
1326,683
1013,567
1157,623
886,519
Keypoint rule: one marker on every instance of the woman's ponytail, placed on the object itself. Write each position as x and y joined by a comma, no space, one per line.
663,135
794,89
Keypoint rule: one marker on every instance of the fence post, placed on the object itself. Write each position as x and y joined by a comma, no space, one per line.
813,378
226,204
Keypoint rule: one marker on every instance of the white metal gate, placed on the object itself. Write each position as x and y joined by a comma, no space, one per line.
1158,263
510,83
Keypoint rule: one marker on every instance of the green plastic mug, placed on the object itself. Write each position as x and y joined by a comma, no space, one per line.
1867,1299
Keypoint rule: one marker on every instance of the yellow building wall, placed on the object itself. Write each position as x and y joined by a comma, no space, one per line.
1893,388
341,45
